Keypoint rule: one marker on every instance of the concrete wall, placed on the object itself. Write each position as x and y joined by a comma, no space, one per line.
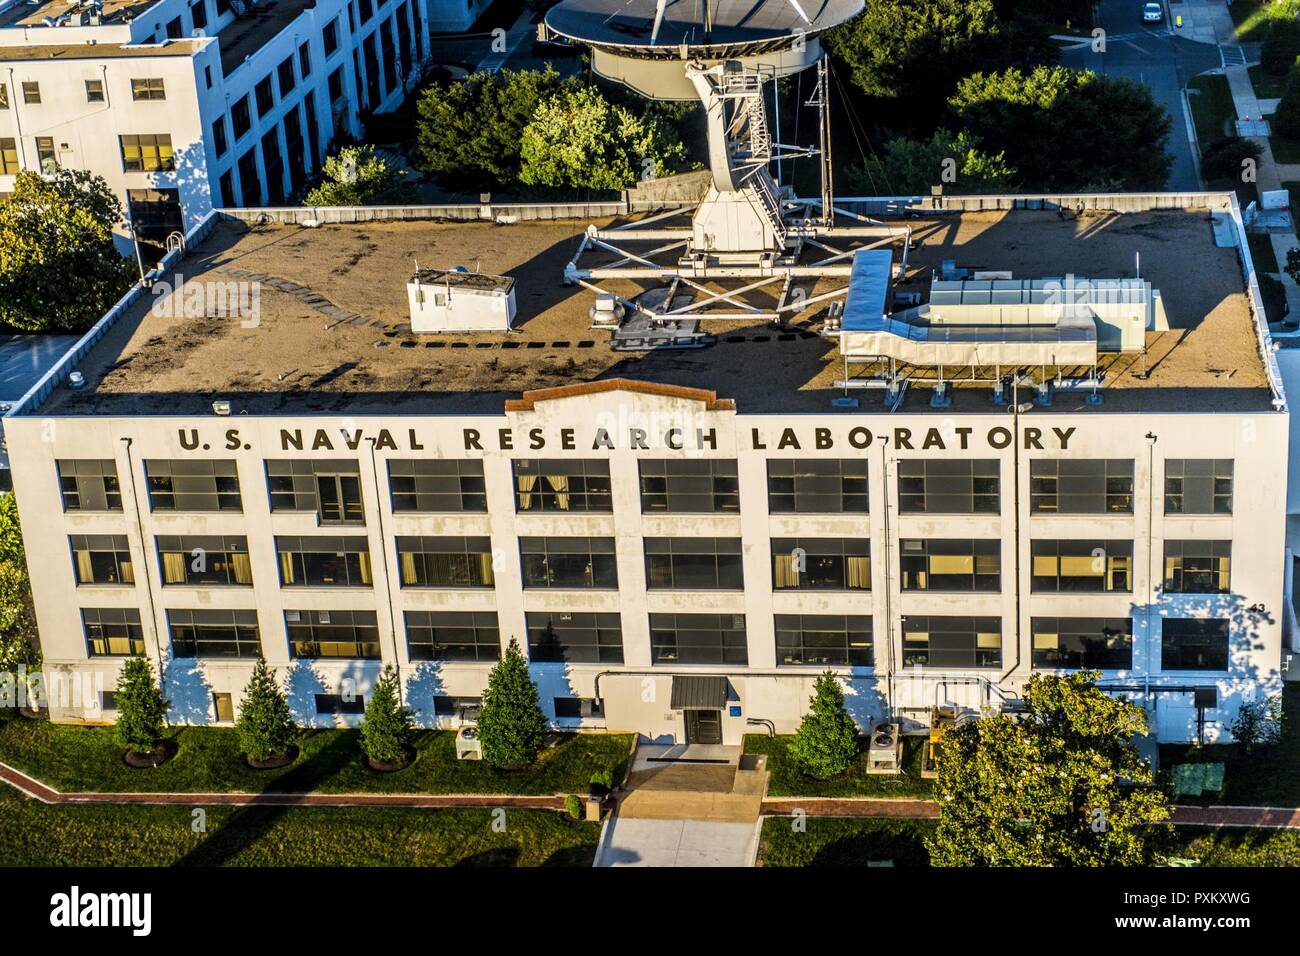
762,689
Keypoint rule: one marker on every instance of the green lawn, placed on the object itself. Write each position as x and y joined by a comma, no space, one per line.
88,758
839,841
1269,777
1266,85
1261,252
787,780
1284,150
1212,109
34,834
1251,17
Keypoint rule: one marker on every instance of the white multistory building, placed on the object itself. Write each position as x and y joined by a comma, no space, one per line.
187,105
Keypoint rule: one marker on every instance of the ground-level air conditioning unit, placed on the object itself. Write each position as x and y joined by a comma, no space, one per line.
886,751
468,744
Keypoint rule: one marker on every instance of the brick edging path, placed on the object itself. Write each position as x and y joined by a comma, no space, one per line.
1271,818
46,794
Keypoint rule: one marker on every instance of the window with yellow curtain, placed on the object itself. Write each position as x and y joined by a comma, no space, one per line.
485,569
560,485
286,568
366,576
523,487
85,572
173,567
410,569
859,571
128,569
242,567
786,569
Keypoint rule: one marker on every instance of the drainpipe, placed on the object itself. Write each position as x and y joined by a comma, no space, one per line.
1151,438
1015,503
889,613
144,567
14,98
388,581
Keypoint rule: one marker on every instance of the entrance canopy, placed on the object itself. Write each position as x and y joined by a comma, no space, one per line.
699,693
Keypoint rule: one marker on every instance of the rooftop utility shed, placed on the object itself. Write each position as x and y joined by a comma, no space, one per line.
455,300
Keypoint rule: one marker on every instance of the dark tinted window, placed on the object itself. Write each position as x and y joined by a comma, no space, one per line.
575,637
834,640
698,639
816,485
953,642
948,486
555,562
1194,644
1198,486
689,485
453,635
686,564
1081,485
1092,642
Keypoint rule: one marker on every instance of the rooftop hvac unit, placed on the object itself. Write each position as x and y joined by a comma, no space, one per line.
457,300
885,755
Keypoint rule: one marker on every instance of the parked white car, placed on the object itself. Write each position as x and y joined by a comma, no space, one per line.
1152,13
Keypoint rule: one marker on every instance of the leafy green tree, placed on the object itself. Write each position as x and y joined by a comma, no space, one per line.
1292,267
915,50
1258,723
911,167
1281,46
17,623
1286,116
11,531
141,707
1224,159
386,728
59,269
470,131
1060,785
358,176
578,139
511,725
827,739
1066,129
265,726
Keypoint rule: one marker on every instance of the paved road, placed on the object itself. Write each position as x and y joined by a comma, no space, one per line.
1151,54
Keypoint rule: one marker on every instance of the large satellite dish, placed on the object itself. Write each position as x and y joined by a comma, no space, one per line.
643,43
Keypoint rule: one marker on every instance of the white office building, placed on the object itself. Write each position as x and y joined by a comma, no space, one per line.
187,105
680,540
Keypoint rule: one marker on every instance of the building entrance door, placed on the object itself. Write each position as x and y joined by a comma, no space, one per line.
704,727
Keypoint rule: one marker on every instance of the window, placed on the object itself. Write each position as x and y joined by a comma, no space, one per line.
948,486
89,484
693,564
1079,486
332,489
1197,567
568,563
288,79
240,117
94,91
575,637
563,484
1103,643
265,96
212,633
148,89
327,704
437,486
1198,486
956,642
155,212
46,158
227,188
833,640
319,561
175,28
108,700
816,486
198,485
1194,644
689,485
222,7
567,708
330,36
219,143
148,153
304,59
199,14
367,10
250,186
950,564
453,635
351,634
446,706
112,631
101,559
31,93
836,564
9,156
336,85
4,97
450,562
1091,565
203,560
698,639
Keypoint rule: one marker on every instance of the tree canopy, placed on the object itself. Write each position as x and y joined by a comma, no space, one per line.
1061,784
358,176
265,726
141,707
17,626
470,131
511,724
827,739
59,268
579,139
1064,129
911,167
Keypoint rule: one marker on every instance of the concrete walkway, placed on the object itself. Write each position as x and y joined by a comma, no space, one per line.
519,31
637,842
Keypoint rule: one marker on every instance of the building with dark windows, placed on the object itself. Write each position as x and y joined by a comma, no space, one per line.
334,492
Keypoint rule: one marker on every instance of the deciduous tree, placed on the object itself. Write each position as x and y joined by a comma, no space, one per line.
358,176
911,167
59,268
